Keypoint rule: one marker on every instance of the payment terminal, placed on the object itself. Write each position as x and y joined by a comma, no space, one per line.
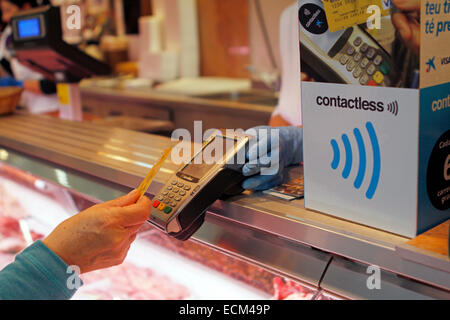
348,56
215,171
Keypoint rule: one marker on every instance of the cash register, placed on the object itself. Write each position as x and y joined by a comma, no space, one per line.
38,44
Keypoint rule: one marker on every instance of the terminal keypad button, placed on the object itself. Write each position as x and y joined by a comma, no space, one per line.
167,210
371,70
364,63
378,59
350,50
357,72
384,68
344,58
370,53
351,65
364,79
364,47
378,77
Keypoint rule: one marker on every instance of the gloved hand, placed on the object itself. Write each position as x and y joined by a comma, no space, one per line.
10,82
272,151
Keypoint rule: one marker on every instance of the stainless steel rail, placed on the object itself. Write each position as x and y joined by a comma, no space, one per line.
102,163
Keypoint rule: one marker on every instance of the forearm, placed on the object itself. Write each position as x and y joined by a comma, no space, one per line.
37,273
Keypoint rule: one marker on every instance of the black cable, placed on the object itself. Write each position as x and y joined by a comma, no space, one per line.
265,34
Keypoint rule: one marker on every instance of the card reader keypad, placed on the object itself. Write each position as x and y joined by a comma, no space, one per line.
169,198
366,64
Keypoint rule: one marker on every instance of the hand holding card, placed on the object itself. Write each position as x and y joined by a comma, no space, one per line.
142,189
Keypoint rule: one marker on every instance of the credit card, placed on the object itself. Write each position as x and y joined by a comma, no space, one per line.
342,14
143,187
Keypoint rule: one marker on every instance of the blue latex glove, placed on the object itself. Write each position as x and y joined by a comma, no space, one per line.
10,82
273,150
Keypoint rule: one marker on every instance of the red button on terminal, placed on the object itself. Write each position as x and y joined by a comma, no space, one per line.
371,83
156,203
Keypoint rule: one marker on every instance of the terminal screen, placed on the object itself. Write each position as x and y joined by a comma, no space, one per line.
29,28
214,152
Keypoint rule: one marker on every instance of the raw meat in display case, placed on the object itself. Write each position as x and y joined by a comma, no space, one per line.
291,290
128,281
12,239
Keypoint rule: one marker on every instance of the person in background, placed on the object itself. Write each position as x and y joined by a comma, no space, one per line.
40,94
96,238
288,110
286,119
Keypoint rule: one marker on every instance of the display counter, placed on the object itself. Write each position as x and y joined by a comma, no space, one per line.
322,252
244,110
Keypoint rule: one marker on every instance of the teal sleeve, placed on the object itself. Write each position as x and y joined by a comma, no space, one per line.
38,274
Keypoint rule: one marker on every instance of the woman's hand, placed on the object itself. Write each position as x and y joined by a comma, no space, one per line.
100,236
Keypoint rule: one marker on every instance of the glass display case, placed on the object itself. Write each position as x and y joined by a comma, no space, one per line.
156,267
247,246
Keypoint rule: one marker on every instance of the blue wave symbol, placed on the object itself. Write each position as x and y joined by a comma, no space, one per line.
362,159
374,180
